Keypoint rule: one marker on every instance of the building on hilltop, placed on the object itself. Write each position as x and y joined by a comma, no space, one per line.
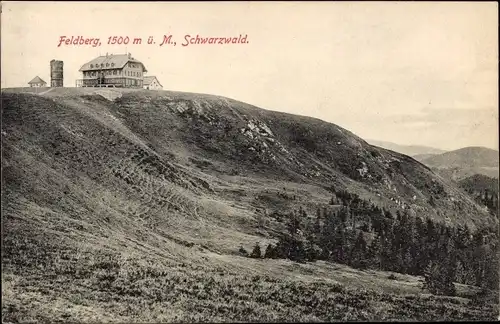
37,82
151,83
111,70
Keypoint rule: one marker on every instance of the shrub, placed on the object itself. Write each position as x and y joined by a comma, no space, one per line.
243,251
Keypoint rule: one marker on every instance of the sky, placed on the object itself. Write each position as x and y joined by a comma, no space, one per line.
411,73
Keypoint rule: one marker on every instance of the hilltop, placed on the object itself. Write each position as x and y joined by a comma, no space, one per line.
134,205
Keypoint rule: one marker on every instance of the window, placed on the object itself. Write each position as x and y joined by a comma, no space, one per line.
91,66
107,64
112,64
114,72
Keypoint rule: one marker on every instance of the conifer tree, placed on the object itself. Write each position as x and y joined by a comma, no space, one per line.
317,226
270,252
438,280
374,253
407,262
339,244
256,254
358,253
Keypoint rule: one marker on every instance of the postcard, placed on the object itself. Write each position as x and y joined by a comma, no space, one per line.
167,162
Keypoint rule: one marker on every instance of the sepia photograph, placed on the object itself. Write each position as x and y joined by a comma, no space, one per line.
249,161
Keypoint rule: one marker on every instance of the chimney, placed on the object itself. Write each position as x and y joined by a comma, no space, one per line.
129,55
106,54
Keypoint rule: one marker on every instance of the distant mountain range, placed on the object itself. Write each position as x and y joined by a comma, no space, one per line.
410,150
465,157
463,163
456,165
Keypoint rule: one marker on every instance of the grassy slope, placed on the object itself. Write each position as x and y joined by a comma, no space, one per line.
114,212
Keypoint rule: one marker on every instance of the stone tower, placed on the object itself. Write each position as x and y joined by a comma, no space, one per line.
56,73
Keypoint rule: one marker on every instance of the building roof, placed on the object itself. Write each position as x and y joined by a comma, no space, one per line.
112,61
148,79
37,79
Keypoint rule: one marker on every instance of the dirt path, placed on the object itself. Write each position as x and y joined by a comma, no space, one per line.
44,92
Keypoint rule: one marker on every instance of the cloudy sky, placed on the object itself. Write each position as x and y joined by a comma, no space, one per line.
404,72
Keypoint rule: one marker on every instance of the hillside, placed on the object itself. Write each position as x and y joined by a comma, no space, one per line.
411,150
479,183
484,189
199,138
465,162
132,205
